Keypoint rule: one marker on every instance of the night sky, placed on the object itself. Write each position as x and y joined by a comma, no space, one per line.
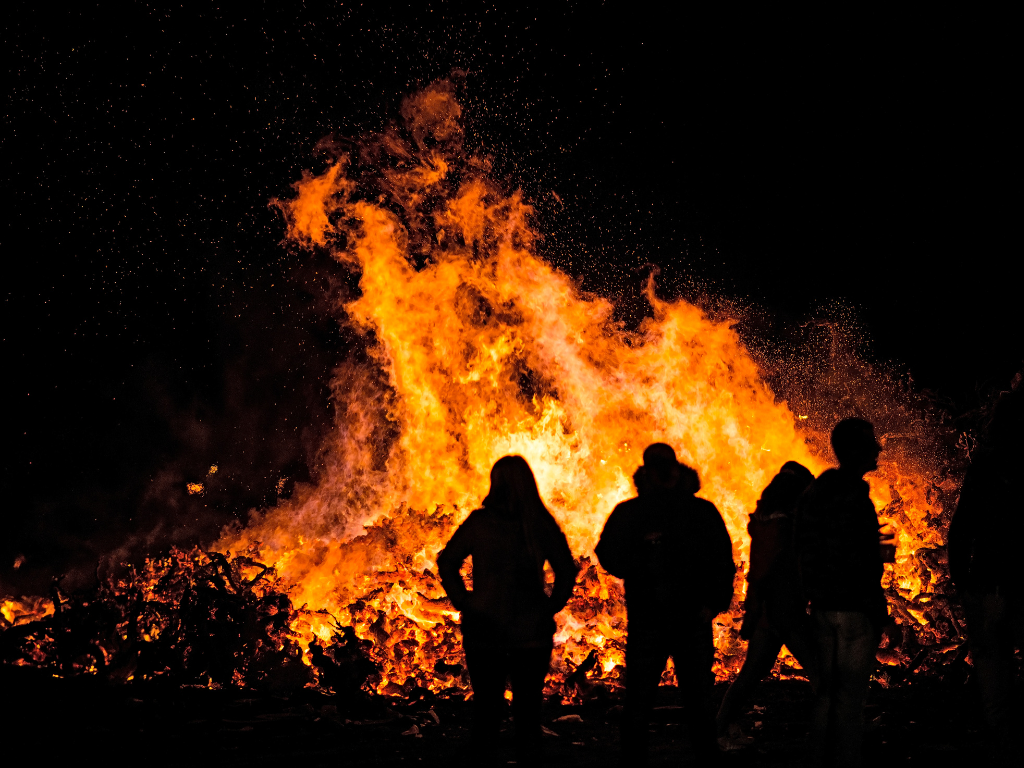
155,325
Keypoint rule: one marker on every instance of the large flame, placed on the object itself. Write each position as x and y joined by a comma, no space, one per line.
477,348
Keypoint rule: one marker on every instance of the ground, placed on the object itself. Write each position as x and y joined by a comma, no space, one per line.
922,722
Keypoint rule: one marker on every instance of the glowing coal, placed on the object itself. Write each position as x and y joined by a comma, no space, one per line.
479,348
474,347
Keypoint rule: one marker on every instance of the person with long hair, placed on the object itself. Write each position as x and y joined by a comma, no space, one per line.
508,616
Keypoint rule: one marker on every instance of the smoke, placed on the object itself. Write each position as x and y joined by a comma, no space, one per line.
191,445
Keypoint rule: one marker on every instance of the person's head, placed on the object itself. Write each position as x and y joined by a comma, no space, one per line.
781,494
663,470
1004,431
854,443
800,474
514,488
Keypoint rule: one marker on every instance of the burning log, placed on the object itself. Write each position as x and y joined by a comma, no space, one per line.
476,347
189,618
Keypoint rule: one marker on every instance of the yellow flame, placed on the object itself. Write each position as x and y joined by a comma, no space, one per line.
488,350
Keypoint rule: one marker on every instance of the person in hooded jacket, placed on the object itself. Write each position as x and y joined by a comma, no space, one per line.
775,610
674,553
508,616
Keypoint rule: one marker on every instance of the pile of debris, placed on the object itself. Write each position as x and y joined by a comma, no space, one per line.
189,619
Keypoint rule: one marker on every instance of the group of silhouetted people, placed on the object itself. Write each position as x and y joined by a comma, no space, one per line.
814,585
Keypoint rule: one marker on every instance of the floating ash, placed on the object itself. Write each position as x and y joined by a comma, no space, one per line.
473,347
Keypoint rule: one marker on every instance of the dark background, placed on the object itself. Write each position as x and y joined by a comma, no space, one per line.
154,324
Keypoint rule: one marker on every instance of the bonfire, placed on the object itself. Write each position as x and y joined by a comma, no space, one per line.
471,346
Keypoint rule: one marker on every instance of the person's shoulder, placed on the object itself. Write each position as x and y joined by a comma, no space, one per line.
625,510
629,505
466,535
704,507
763,520
813,494
985,465
479,516
829,477
708,514
825,484
550,525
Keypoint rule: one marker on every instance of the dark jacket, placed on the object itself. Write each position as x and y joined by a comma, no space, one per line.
508,605
674,553
773,579
987,528
838,546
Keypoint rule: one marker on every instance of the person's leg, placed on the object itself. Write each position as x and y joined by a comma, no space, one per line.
825,653
528,670
488,669
799,639
1009,751
787,616
991,642
646,657
694,657
762,650
856,643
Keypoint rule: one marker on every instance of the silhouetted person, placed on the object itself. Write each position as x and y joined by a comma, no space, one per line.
985,537
675,555
508,617
775,611
837,539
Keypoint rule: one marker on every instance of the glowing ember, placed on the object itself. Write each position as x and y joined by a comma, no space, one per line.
474,347
25,610
478,348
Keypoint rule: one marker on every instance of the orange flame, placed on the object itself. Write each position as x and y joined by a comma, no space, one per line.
487,350
24,610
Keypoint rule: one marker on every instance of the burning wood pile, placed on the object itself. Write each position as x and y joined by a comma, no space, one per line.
204,619
469,347
190,618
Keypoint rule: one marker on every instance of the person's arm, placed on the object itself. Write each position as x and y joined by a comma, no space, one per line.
562,563
765,547
449,563
613,548
806,539
720,544
962,533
